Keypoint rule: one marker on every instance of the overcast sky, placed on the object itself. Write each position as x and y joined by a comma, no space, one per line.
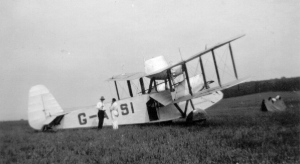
72,46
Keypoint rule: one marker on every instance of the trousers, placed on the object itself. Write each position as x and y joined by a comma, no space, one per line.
115,124
101,118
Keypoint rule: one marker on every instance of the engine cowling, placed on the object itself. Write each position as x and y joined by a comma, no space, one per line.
157,66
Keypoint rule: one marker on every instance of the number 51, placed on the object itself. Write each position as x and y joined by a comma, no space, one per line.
124,108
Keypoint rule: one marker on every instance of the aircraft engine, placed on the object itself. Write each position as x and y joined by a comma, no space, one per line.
196,115
155,65
176,70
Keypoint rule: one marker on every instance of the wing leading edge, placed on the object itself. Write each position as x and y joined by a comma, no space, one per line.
127,76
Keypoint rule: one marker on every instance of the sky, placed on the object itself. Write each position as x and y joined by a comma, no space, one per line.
73,46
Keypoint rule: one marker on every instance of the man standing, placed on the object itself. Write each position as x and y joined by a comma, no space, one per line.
114,113
101,110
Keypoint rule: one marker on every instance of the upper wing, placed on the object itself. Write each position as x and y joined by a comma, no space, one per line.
127,76
195,56
162,73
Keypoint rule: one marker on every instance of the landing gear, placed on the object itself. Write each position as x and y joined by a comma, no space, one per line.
46,128
197,115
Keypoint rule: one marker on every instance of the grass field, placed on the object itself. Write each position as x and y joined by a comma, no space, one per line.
236,132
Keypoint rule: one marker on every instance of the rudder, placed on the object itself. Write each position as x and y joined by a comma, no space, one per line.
41,105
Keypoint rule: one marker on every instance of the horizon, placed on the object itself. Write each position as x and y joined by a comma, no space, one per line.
70,109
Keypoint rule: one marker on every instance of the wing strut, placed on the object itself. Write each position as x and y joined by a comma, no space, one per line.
185,109
192,104
179,109
203,72
186,105
151,83
216,67
155,85
169,79
129,88
187,78
117,90
231,54
166,84
142,85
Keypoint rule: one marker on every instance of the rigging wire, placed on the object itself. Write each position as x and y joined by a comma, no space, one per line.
226,67
137,90
123,90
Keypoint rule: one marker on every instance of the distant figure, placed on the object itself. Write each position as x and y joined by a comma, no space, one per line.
114,113
273,104
101,110
272,99
278,97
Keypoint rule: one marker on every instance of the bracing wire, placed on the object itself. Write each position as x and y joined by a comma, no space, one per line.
223,74
206,61
198,65
224,61
221,61
136,87
123,90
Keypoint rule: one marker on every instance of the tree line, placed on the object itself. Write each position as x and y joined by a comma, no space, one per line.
272,85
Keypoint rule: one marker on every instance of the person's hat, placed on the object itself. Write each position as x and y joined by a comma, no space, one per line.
102,98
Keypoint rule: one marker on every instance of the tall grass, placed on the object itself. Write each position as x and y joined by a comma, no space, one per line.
235,133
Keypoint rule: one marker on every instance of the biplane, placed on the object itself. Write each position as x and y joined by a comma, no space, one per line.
162,92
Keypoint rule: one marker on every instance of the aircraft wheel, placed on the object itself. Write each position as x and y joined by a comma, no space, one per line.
196,116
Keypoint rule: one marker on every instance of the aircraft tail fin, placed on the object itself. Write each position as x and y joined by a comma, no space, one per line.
41,106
